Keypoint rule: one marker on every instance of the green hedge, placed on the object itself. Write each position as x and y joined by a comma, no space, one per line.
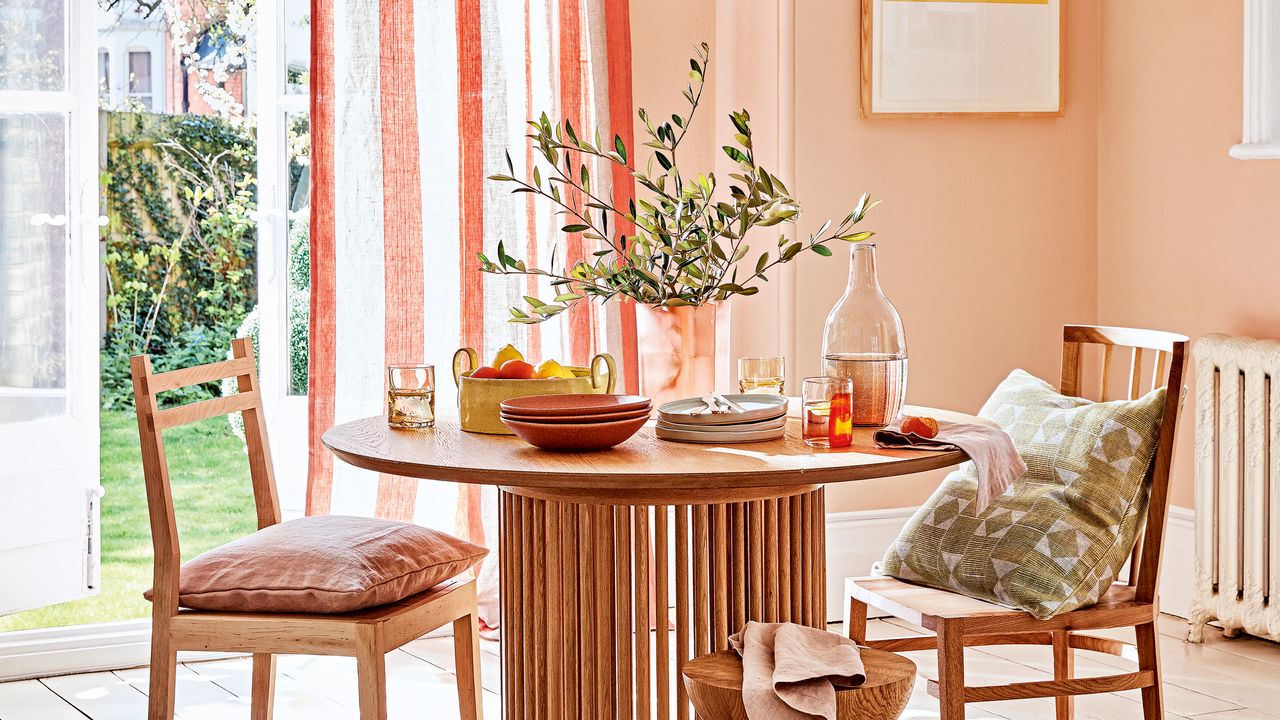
180,247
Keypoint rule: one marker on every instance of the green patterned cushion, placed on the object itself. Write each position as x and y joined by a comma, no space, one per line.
1057,538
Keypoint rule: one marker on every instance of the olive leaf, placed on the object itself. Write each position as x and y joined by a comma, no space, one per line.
679,243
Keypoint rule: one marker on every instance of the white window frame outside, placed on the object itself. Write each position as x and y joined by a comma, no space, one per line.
128,35
1261,135
148,98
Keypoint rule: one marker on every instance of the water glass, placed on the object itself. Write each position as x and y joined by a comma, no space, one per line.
411,396
827,412
763,375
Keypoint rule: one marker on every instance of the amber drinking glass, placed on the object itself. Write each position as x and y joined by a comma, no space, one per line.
763,375
826,412
411,396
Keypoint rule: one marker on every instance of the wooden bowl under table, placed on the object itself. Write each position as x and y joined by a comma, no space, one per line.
714,684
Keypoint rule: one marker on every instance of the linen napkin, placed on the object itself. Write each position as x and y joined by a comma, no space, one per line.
990,448
790,672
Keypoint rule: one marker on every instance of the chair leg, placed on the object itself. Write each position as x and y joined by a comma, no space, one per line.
371,669
262,698
1149,659
1064,668
951,670
466,654
855,621
164,668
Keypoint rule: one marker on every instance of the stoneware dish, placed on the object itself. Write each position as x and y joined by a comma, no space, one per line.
564,405
714,437
593,418
576,436
693,411
774,424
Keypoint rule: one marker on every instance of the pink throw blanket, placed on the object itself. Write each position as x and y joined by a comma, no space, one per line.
790,672
990,448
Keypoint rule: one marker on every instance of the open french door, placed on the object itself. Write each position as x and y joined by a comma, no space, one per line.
49,303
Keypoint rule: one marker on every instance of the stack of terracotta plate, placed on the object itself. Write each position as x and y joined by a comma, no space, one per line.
762,417
584,421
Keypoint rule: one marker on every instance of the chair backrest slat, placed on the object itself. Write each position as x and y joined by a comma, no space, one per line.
205,409
1135,374
1106,373
152,422
200,374
1157,374
1170,349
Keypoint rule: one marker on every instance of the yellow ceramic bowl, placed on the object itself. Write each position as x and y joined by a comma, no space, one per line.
479,398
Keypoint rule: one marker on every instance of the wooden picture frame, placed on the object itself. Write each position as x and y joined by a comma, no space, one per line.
975,29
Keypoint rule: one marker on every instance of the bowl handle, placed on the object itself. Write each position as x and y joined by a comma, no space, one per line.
610,374
473,362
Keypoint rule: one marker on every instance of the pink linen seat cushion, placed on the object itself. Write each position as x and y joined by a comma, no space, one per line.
323,564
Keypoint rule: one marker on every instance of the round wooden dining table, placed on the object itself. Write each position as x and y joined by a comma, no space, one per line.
596,548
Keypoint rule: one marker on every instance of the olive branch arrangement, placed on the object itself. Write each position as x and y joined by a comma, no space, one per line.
687,244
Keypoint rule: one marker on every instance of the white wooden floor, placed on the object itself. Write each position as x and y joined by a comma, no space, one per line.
1223,679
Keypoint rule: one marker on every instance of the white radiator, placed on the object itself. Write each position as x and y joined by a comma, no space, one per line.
1237,486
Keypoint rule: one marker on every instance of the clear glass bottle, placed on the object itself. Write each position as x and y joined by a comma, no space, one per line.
864,342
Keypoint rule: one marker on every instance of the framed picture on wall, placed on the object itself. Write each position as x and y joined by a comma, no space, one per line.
930,58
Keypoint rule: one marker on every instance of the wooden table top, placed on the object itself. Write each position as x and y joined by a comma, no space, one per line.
445,452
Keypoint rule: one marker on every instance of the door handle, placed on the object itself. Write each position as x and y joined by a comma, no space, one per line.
46,219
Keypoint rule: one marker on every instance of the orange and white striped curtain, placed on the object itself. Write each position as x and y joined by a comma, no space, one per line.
414,103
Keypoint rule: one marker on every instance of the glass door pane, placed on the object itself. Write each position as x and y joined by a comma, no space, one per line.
297,45
33,266
33,42
298,222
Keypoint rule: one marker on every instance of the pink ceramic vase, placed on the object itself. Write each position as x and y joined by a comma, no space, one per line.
683,351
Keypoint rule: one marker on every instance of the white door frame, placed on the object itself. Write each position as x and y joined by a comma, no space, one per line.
286,414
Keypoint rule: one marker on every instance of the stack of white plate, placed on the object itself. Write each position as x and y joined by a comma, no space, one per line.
764,417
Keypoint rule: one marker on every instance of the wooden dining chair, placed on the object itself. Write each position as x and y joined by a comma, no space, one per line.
366,634
959,621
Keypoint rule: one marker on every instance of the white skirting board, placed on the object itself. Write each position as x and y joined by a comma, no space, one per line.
855,540
81,648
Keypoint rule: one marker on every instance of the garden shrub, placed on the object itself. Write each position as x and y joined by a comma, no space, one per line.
180,248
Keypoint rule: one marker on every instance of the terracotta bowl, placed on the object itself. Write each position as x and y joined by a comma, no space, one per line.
576,436
570,419
573,404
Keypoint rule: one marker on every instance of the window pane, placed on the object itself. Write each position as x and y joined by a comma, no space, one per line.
140,73
32,45
104,77
297,45
299,260
33,266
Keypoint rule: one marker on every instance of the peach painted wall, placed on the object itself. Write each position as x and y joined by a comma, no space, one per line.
995,232
1127,210
985,240
1188,237
987,233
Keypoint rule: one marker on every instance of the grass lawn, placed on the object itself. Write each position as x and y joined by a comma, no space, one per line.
212,499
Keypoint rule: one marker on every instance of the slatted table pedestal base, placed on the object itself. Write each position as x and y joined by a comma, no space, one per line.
588,580
592,543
